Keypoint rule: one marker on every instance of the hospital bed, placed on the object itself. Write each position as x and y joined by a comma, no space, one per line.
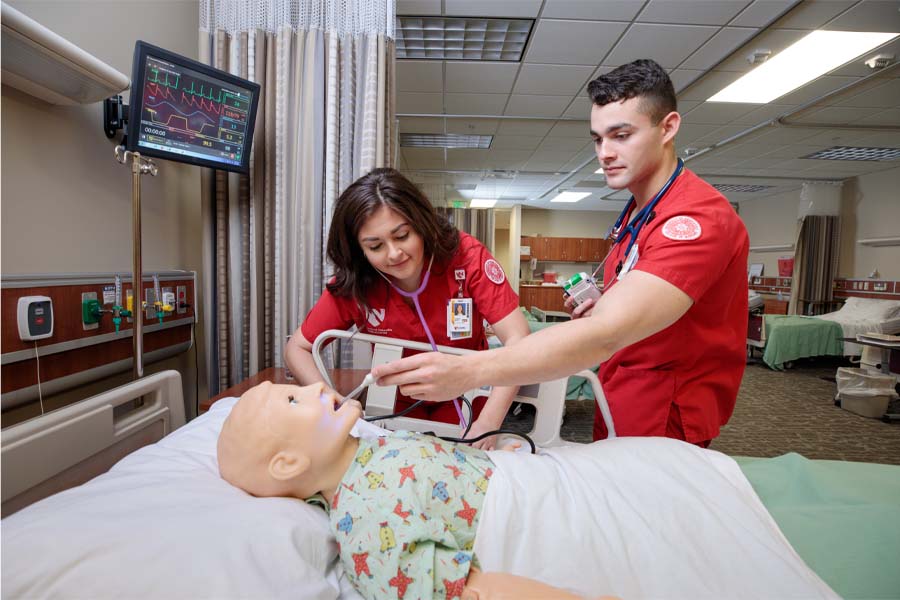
790,337
161,523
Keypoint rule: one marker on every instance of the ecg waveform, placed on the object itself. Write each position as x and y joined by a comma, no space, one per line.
185,111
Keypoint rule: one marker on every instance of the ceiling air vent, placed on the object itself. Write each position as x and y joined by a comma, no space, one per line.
741,188
455,38
855,153
444,140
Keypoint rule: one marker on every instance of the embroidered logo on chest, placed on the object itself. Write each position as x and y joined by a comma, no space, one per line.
494,271
375,316
682,228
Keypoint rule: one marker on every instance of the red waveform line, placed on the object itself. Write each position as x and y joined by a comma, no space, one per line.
202,103
157,90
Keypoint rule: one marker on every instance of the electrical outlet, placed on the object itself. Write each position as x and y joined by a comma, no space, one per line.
879,286
181,299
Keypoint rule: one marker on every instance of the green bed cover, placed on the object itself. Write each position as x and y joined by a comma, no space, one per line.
843,518
789,337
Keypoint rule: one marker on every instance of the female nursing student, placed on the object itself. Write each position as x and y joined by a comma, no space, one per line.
390,251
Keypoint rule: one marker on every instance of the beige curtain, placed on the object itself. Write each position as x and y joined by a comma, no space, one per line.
477,222
326,116
815,265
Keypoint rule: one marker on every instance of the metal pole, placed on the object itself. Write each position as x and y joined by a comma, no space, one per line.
137,337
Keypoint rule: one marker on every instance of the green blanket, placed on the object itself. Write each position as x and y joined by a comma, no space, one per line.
790,337
842,518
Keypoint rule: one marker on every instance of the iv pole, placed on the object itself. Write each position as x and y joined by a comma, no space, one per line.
139,166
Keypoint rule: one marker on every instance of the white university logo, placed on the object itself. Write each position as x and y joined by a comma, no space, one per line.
376,316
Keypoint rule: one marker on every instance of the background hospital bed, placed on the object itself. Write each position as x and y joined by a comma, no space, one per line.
790,337
161,523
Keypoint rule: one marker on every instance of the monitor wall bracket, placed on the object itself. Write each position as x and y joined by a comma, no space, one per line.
115,116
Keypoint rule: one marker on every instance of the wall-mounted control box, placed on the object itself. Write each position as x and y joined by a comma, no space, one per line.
34,315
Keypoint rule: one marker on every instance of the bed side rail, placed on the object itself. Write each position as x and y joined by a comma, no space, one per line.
69,446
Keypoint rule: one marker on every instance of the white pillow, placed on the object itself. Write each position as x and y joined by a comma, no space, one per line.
871,308
163,524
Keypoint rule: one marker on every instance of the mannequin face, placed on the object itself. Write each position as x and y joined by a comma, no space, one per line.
280,439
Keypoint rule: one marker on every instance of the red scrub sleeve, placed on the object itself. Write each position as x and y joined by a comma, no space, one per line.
493,297
330,312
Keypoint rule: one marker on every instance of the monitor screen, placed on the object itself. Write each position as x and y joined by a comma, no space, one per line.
186,111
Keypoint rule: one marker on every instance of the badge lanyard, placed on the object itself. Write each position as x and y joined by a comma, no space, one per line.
646,214
414,296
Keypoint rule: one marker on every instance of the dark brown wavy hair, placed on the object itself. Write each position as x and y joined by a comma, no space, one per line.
354,276
642,78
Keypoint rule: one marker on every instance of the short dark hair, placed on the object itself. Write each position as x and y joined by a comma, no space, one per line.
354,276
642,78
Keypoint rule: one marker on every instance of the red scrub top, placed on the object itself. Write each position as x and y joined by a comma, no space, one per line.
683,381
482,279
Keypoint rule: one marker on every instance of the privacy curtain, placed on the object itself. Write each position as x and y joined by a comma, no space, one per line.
325,117
477,222
815,264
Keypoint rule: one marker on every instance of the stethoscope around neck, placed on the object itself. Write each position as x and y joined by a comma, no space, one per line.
616,233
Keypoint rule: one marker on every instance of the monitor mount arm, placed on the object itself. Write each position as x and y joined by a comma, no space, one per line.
115,116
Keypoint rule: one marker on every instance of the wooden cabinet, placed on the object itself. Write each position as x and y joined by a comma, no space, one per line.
544,297
560,249
775,307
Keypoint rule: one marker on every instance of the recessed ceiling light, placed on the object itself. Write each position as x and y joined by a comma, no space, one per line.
853,153
444,140
454,38
599,171
482,203
571,196
808,58
741,188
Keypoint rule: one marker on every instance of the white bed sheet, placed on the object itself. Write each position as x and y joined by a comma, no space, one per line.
865,315
163,524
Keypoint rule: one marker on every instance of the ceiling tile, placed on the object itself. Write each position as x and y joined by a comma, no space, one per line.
493,8
814,89
886,118
419,76
681,78
421,125
779,136
763,114
507,159
420,102
473,126
869,15
693,131
812,14
837,115
762,12
466,159
546,161
718,112
718,48
481,77
608,10
580,108
554,80
424,158
537,106
666,44
537,128
885,95
563,144
695,12
515,142
475,104
825,138
859,68
571,129
418,7
552,41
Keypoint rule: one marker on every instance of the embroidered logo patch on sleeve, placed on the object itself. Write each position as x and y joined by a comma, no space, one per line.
682,228
494,271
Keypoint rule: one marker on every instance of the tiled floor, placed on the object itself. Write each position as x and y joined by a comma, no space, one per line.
779,412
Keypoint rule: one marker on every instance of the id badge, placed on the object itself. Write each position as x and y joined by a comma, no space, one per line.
459,318
630,261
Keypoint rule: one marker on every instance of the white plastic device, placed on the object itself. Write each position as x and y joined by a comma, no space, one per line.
34,315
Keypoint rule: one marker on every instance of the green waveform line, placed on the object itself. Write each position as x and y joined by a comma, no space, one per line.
208,95
155,79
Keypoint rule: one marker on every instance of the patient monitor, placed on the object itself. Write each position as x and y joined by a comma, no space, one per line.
548,398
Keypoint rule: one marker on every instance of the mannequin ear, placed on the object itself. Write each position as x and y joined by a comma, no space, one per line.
288,465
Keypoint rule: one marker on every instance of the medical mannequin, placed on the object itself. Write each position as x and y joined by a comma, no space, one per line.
282,440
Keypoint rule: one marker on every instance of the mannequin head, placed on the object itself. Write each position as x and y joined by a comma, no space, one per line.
286,440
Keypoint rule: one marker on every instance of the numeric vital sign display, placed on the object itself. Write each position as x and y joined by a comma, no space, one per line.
189,112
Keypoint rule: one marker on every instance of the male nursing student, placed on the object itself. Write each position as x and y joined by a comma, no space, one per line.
670,327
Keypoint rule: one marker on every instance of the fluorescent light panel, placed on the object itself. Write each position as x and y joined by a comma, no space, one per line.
444,140
454,38
855,153
599,171
798,64
571,196
482,203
